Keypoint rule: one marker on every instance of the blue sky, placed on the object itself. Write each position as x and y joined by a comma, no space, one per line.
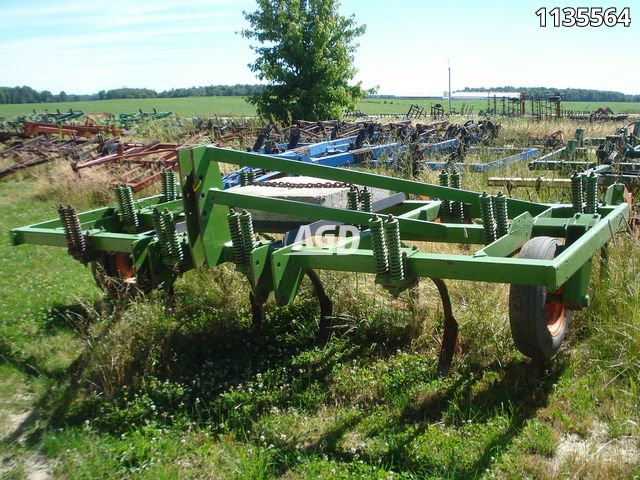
83,47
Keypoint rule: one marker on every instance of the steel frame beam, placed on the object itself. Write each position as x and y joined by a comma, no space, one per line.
485,167
204,207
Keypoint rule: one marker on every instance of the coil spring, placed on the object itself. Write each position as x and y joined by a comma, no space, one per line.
158,224
365,200
352,198
502,215
128,213
248,237
247,177
119,201
592,194
233,218
576,192
76,243
378,245
172,239
168,178
163,186
457,209
488,217
392,234
443,180
167,236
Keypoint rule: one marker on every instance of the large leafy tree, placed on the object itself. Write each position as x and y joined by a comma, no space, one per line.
305,53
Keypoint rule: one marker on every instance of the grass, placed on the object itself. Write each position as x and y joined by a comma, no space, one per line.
222,106
238,106
96,389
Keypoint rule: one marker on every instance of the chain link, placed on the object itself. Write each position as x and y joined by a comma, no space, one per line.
304,185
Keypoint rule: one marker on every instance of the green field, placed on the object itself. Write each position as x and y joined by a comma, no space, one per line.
238,106
223,106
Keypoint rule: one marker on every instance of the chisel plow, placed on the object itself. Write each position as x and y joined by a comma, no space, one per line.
543,251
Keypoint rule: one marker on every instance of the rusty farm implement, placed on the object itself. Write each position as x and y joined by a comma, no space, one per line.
544,251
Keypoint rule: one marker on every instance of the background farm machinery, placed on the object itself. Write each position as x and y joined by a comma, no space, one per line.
271,231
43,149
611,159
397,145
66,123
128,120
14,126
542,107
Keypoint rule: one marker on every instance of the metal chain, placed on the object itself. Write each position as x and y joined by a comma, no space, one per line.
304,185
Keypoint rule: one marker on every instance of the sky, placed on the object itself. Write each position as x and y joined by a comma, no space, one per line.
83,47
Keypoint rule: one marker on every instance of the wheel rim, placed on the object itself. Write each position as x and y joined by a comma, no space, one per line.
555,314
124,268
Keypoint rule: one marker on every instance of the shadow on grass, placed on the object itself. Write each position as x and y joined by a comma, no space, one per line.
213,356
72,318
209,364
523,386
520,387
51,407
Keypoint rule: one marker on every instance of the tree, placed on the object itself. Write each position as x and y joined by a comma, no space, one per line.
305,54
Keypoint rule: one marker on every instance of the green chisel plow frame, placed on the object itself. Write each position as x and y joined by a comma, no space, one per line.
544,251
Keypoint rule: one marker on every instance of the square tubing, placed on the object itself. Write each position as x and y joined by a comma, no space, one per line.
247,159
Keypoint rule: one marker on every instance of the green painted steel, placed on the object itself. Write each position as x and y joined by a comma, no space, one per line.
411,228
218,230
248,159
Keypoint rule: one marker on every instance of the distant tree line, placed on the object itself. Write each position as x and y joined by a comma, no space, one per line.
568,94
29,95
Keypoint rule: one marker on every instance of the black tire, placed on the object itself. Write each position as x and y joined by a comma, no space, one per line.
538,325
